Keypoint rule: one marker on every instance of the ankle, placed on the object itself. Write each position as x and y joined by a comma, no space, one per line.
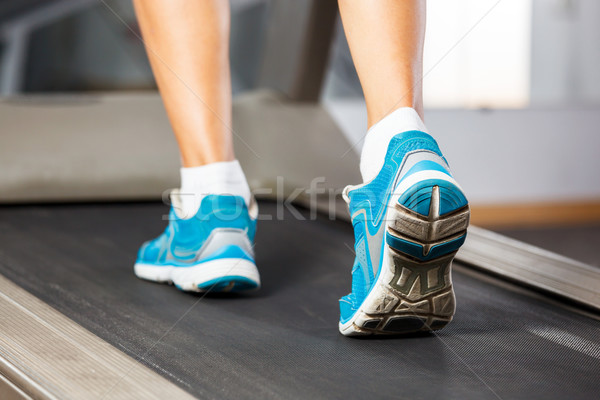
379,136
380,110
225,178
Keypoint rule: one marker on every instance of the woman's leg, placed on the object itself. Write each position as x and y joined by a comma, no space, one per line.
208,244
386,40
410,216
188,46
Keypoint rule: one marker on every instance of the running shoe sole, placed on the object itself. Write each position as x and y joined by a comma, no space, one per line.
413,291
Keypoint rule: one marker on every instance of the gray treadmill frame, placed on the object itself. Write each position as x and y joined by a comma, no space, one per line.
45,355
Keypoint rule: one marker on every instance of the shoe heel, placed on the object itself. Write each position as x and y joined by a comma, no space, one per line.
421,249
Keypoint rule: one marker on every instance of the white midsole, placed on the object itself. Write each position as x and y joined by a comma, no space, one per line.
190,277
375,295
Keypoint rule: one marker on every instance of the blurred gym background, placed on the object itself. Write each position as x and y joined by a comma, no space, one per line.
512,92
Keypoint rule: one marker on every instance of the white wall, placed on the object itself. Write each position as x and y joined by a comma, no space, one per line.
565,58
477,53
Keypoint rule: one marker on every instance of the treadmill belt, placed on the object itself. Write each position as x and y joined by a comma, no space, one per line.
282,342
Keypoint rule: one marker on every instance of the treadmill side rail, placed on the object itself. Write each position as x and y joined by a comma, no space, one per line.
532,266
45,355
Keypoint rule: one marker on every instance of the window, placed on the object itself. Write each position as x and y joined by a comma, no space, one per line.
478,53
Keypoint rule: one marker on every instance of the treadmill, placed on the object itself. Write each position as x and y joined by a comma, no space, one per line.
77,324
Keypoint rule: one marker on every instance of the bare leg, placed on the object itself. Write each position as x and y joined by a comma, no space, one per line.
188,46
386,42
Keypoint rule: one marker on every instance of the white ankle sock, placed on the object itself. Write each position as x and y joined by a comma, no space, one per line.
217,178
379,137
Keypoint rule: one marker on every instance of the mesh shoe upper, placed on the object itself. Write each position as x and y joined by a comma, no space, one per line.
184,241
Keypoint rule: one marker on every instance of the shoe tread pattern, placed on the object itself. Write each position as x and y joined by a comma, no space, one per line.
417,294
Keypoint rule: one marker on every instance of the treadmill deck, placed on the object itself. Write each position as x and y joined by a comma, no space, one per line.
282,341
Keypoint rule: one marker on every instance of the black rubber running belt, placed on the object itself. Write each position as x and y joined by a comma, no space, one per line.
283,342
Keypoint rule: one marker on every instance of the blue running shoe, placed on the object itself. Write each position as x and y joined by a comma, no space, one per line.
408,224
211,251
